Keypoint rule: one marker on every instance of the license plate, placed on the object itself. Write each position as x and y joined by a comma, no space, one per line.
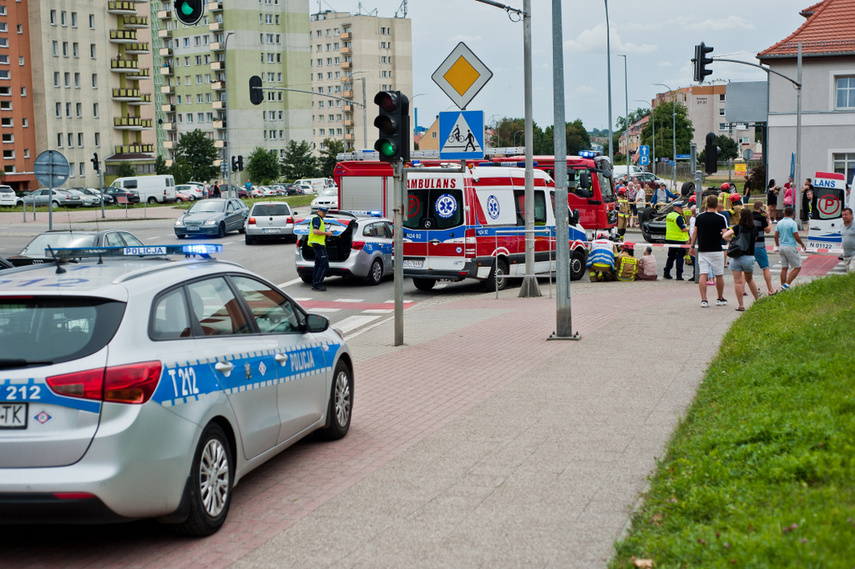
413,263
270,230
13,415
192,228
657,236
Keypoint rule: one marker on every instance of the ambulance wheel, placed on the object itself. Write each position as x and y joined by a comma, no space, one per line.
577,264
340,404
209,490
498,277
424,284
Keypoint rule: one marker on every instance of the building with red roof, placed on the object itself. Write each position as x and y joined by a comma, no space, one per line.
827,39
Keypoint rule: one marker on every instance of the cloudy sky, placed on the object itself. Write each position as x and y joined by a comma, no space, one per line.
658,37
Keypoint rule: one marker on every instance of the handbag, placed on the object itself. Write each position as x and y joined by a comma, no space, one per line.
739,245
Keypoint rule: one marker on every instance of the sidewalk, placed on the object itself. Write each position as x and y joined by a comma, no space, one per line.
481,444
12,222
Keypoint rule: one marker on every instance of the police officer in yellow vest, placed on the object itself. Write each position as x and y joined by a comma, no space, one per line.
626,263
677,232
318,240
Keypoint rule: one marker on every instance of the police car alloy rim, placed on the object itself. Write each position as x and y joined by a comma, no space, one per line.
214,477
342,398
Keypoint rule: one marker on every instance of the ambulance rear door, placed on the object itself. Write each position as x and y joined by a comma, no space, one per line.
435,224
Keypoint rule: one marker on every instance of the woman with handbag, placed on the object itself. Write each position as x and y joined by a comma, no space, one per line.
740,251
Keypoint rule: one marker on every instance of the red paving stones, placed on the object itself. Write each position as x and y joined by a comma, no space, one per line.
401,398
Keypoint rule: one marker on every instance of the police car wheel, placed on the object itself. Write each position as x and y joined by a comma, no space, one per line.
340,404
210,485
577,265
424,284
375,275
498,277
306,278
180,235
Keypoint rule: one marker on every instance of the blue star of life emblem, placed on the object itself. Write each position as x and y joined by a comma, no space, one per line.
446,205
493,207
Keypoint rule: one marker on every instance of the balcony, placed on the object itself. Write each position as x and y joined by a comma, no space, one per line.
218,105
217,46
139,75
169,144
347,79
345,36
168,162
131,123
219,144
165,52
169,126
135,149
145,99
124,65
121,8
215,6
347,94
167,89
220,124
166,70
218,85
215,26
346,51
164,33
348,137
140,48
123,36
218,65
135,21
346,65
348,108
167,108
348,122
164,15
126,94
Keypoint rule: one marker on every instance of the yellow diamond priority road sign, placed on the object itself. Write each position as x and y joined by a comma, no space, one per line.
462,75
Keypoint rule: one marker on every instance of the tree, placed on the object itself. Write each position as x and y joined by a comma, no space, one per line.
160,166
576,138
199,152
262,166
181,171
328,156
504,131
298,161
663,145
124,170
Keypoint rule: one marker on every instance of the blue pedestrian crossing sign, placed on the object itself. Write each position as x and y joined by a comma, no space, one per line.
461,134
644,155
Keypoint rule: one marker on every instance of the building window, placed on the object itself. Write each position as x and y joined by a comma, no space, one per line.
59,110
59,140
723,126
56,79
95,110
8,138
94,80
63,18
721,112
97,139
78,108
75,49
91,21
92,50
844,163
5,105
846,92
53,17
74,19
80,139
8,155
77,80
80,168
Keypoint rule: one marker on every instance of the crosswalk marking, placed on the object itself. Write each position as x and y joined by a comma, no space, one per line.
353,322
349,300
378,310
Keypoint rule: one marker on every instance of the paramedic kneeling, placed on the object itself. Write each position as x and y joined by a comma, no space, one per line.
318,240
601,259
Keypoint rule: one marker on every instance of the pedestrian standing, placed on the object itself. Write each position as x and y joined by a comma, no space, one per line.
640,200
848,240
710,226
761,223
676,233
742,266
746,190
772,199
688,258
630,196
786,237
318,240
808,201
205,192
216,189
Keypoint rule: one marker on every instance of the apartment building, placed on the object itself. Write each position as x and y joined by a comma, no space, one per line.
91,83
204,73
353,56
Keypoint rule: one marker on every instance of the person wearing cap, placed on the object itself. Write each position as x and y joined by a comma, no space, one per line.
318,240
626,264
661,196
676,233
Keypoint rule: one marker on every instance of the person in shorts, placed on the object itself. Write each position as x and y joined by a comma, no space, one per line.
707,236
742,266
761,223
786,237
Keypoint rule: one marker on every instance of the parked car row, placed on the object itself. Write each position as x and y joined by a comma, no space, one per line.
65,197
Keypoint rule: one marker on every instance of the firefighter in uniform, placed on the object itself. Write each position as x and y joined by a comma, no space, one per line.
735,208
601,259
623,214
676,232
626,264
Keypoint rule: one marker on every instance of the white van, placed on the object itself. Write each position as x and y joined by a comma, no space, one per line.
619,170
154,188
317,184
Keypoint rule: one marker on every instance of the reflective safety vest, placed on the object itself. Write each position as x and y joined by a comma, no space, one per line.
602,254
673,233
623,207
628,268
319,239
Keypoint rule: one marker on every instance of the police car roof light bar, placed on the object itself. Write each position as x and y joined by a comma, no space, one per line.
203,250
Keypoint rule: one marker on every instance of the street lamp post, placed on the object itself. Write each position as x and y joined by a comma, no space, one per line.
626,117
228,156
673,135
609,81
515,136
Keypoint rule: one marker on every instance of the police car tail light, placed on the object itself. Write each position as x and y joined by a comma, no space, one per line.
134,383
357,245
87,384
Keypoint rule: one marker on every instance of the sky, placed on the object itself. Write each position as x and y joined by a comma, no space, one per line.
657,36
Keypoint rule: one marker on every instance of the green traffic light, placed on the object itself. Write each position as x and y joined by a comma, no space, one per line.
385,148
186,8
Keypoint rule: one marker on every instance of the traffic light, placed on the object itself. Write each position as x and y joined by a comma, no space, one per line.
701,61
237,163
234,164
710,154
240,162
95,164
189,12
256,95
394,125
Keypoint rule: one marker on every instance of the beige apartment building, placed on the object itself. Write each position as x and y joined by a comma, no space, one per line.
91,78
353,56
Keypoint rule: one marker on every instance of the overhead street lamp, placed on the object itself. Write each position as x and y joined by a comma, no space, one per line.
515,136
626,117
673,135
609,81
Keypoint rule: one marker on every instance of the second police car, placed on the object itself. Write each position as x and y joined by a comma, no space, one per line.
141,387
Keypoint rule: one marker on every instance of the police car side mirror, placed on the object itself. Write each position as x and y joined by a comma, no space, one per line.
317,323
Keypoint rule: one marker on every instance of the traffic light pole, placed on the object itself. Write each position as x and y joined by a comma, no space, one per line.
400,177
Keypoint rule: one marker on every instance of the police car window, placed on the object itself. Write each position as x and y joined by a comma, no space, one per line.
169,317
388,231
273,312
216,309
370,230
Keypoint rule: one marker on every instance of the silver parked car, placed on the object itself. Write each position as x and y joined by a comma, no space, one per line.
148,388
268,221
362,247
43,196
327,197
62,238
215,216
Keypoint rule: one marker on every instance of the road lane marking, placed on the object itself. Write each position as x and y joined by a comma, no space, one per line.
353,322
289,283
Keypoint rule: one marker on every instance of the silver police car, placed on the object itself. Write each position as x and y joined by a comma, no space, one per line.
140,387
362,246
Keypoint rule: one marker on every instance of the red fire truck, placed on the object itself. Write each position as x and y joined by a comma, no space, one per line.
464,225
